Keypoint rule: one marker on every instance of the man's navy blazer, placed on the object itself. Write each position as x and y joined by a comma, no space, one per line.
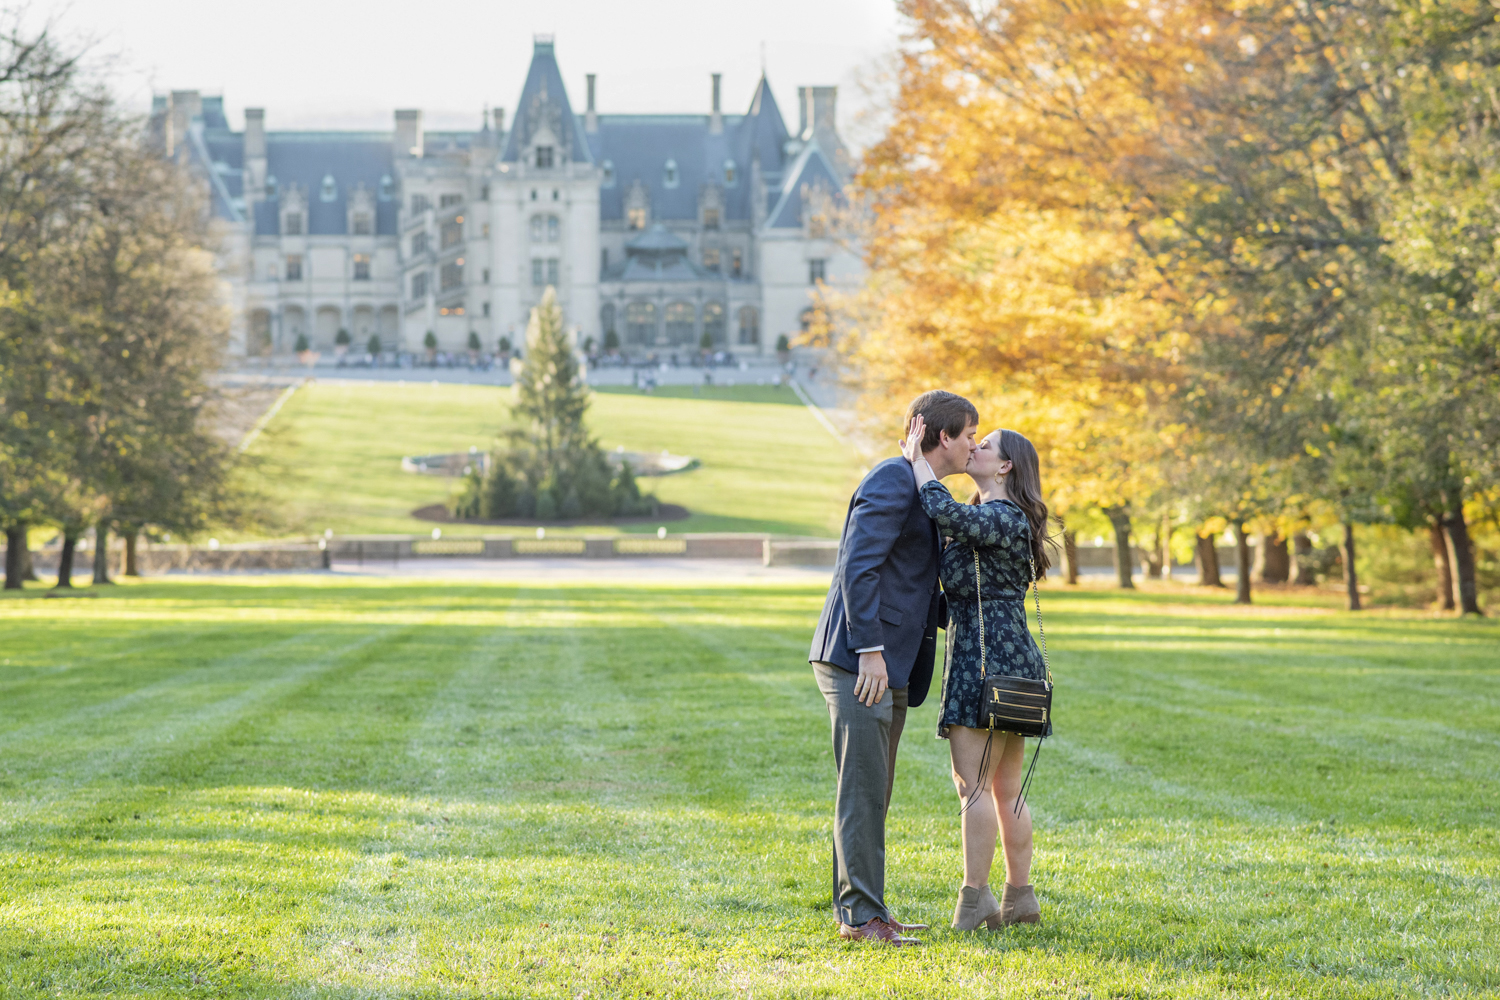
885,586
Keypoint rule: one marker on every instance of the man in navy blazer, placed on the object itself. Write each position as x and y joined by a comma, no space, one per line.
873,654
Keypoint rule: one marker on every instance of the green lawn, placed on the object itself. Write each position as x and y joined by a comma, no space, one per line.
333,454
283,786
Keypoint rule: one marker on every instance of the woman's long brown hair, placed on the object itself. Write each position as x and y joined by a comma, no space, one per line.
1024,487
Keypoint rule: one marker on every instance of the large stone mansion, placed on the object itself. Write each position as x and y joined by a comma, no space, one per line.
656,228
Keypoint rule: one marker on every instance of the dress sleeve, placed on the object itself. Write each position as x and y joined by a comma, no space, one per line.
978,525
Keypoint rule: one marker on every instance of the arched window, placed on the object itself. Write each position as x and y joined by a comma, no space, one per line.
729,173
640,323
609,173
680,319
330,191
749,325
554,229
538,228
713,323
669,174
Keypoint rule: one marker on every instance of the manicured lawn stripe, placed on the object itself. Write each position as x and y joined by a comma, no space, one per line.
350,788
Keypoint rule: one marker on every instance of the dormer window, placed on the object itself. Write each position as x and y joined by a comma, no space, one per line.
272,188
669,174
387,187
729,173
362,226
291,224
609,173
710,218
544,157
330,190
636,218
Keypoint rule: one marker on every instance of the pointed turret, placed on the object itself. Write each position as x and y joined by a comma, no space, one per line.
544,117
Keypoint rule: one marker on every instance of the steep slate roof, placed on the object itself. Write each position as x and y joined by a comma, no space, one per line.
544,82
639,146
811,169
304,158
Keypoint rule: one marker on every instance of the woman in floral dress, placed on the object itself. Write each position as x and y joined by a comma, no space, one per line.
1006,524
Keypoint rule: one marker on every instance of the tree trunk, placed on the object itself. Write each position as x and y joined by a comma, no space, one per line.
28,568
101,555
1302,549
1166,548
1151,556
1120,518
1444,566
1351,578
65,560
1461,556
132,568
1241,564
1208,563
1275,561
1070,553
15,544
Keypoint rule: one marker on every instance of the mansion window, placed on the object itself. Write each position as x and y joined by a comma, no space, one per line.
486,275
729,173
736,263
544,271
603,261
486,308
711,258
710,218
419,204
609,173
669,175
361,267
362,226
547,228
419,244
419,285
291,224
636,218
713,322
452,233
544,157
294,267
452,275
749,325
817,270
484,192
449,200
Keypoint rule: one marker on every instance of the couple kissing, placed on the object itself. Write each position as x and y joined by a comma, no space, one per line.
911,560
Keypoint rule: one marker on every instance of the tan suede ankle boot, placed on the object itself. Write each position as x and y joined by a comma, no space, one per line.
974,907
1019,906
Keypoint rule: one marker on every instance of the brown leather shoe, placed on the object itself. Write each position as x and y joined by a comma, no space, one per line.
878,931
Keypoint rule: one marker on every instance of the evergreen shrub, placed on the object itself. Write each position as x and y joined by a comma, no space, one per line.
549,468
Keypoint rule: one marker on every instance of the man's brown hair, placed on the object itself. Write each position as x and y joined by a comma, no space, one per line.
943,411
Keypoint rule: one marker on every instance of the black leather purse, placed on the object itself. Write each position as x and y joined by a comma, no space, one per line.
1015,704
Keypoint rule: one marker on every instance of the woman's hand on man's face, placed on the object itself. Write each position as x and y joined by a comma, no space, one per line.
911,448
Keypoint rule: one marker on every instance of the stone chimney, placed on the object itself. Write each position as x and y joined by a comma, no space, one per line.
255,154
499,115
182,107
716,117
408,132
590,116
818,109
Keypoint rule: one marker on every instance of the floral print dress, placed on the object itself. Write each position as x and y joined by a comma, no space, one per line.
999,531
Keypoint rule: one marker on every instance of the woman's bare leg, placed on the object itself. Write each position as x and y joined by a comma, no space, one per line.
1015,828
979,822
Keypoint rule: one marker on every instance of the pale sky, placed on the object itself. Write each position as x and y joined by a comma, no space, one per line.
320,64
